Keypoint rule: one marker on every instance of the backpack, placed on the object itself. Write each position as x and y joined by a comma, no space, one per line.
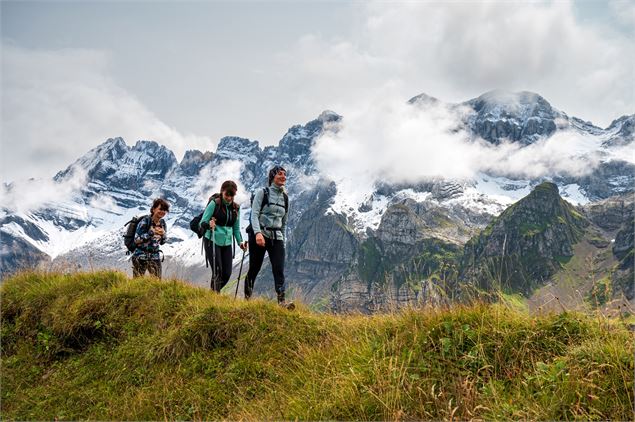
128,237
196,221
265,201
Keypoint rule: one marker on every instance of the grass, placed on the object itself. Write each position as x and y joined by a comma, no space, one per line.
102,346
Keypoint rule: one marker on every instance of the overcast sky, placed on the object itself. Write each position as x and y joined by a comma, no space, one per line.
188,73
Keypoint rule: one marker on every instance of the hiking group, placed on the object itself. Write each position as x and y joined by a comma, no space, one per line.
219,226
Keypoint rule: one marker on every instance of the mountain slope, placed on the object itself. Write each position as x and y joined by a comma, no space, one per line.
526,244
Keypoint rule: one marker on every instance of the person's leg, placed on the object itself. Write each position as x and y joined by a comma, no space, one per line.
154,267
224,257
209,250
256,256
275,248
138,267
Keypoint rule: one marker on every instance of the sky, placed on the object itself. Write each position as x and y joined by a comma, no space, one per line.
185,74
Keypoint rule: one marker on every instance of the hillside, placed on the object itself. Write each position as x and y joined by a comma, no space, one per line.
102,346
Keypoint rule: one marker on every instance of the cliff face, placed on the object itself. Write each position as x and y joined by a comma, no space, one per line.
409,260
525,245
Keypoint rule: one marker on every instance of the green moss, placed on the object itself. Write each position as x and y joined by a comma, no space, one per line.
532,229
562,259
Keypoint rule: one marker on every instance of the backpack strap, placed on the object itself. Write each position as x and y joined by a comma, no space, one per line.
265,198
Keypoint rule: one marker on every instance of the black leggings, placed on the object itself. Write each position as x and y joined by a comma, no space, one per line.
223,263
275,249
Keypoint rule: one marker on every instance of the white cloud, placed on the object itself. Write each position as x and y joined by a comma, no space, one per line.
25,196
624,12
211,178
387,140
58,104
459,50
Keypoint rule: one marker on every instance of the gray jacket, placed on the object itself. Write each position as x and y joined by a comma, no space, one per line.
273,215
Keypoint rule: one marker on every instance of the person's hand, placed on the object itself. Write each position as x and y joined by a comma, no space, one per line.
212,224
260,240
243,246
159,231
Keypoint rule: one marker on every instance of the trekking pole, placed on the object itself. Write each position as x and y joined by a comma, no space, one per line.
239,273
213,281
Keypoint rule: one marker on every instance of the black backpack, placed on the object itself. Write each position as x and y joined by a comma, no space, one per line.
128,237
196,221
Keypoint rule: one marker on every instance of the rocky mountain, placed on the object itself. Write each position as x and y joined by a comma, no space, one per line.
524,246
400,244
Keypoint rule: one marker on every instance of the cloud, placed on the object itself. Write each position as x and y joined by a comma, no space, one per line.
212,177
58,104
456,51
25,196
624,12
388,140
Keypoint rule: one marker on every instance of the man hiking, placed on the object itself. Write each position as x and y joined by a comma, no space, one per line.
269,210
222,221
150,234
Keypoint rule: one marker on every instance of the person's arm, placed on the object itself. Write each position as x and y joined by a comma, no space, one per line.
142,234
236,228
207,215
255,211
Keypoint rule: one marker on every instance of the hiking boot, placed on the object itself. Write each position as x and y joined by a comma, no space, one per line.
249,288
281,300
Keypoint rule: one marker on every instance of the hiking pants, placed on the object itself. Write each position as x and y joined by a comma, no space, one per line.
140,265
223,258
275,249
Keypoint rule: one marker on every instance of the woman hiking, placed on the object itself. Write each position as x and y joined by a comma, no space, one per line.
269,210
222,220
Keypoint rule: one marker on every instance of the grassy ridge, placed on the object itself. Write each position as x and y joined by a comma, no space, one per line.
102,346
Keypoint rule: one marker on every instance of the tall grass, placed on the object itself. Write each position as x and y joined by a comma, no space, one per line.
102,346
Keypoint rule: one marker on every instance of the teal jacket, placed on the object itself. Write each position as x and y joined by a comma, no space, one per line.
222,234
272,215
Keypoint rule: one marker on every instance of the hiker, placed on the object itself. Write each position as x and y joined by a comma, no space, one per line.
221,220
150,234
269,210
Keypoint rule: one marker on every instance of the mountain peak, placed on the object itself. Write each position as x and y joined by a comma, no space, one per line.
236,148
499,101
112,142
423,99
518,116
193,161
329,116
